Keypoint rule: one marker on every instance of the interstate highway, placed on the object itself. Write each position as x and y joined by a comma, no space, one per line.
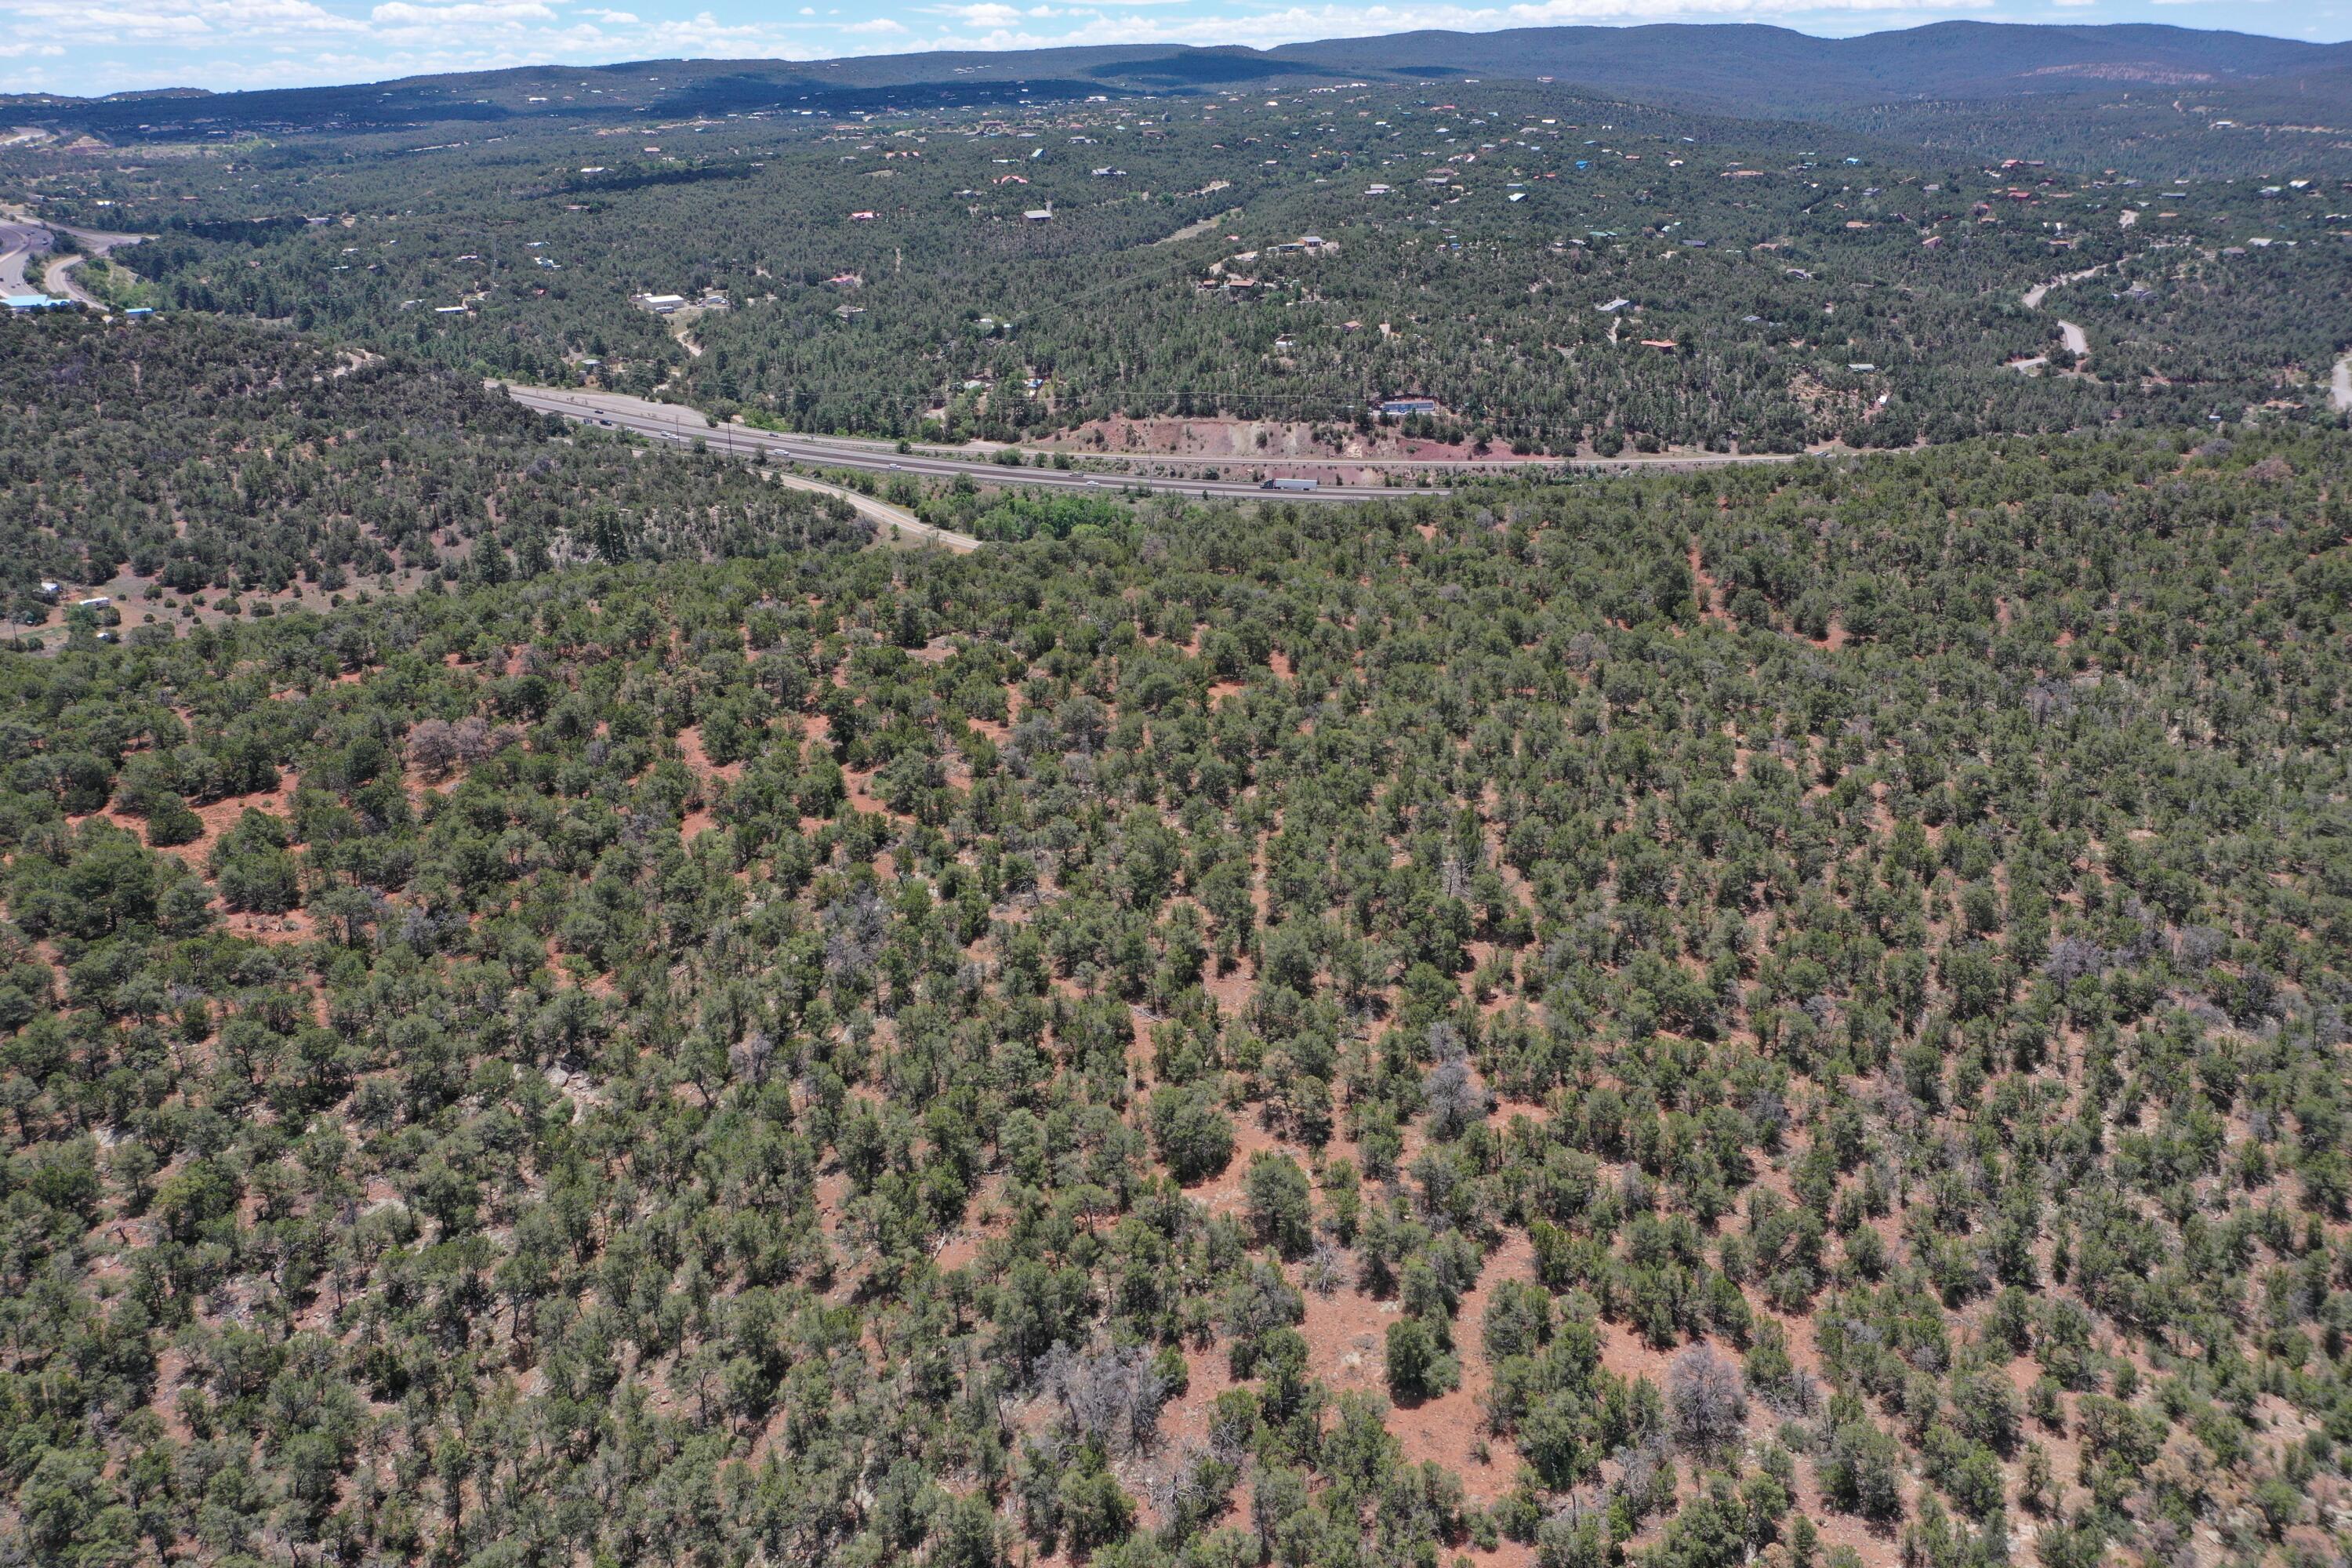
675,421
671,422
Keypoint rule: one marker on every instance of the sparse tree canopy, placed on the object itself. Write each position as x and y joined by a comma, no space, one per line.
1692,1021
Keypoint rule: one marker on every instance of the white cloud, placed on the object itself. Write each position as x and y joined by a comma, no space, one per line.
466,13
704,35
983,14
878,24
185,20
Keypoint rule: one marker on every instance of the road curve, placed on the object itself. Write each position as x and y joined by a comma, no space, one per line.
26,239
2031,299
60,280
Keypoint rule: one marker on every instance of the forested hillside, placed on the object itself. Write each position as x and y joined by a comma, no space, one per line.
1994,69
1793,1011
2241,130
1561,275
186,467
1757,70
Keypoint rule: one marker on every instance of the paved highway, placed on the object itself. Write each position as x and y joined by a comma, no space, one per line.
25,248
21,243
662,422
61,282
668,422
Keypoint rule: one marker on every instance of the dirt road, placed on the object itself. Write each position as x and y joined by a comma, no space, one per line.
898,525
2031,299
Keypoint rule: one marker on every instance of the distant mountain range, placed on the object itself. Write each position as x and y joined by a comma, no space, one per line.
1748,69
1737,69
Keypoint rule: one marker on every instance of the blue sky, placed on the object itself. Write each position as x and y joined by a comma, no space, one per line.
88,46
